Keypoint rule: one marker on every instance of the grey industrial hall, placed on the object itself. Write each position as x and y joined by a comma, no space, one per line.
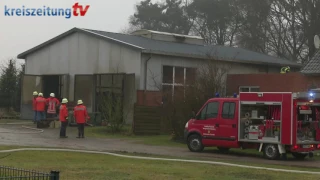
80,63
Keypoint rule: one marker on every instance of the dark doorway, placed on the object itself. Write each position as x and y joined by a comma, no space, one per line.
51,84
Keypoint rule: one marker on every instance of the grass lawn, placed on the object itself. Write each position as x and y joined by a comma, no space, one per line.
288,166
74,166
162,140
300,167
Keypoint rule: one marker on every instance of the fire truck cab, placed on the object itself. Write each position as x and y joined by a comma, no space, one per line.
273,123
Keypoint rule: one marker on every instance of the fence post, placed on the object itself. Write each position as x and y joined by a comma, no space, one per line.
55,175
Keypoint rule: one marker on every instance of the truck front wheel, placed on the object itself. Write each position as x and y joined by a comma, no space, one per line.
271,151
299,156
195,143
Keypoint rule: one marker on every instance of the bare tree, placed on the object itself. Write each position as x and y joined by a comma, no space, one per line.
288,28
177,107
252,33
219,24
114,108
129,29
112,111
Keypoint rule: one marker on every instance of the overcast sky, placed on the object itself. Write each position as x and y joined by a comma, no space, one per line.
18,34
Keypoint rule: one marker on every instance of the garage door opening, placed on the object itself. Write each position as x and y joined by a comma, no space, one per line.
56,84
51,84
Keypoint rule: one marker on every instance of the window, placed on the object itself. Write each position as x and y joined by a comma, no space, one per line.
167,74
254,89
210,111
203,113
249,89
179,75
177,78
228,110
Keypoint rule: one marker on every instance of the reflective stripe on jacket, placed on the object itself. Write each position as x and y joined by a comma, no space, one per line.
52,105
80,113
63,113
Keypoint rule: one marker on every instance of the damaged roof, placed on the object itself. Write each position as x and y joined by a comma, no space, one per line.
147,45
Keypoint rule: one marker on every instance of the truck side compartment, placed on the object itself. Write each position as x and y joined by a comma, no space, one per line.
274,123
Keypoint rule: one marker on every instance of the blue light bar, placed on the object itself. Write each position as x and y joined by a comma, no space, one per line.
311,97
217,95
235,95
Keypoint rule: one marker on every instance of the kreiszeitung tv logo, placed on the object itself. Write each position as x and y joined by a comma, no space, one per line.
75,10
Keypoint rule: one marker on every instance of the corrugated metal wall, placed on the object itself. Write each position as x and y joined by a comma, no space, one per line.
154,72
82,54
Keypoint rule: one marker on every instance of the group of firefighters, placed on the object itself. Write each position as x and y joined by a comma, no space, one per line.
40,104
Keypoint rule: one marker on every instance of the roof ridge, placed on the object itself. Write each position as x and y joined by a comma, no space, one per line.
106,31
144,37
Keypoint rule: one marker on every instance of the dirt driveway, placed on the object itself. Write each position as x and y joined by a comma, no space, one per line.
49,138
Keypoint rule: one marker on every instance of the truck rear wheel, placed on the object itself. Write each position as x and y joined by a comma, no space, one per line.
195,143
299,156
271,151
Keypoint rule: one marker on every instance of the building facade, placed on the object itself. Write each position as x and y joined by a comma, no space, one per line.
308,78
83,63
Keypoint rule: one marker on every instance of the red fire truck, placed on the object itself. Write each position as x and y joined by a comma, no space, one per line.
273,123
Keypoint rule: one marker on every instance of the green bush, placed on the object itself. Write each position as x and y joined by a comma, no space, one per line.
210,78
111,108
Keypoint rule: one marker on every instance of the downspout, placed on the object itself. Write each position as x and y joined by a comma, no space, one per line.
145,78
146,72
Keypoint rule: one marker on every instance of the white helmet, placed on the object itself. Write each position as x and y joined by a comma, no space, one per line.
80,102
40,94
51,94
64,100
35,93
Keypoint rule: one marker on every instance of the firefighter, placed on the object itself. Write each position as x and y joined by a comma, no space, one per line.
40,107
63,117
52,104
35,95
285,70
81,116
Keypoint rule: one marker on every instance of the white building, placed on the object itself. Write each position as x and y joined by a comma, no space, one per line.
81,62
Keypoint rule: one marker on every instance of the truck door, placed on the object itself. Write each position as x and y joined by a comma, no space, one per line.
205,122
227,123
